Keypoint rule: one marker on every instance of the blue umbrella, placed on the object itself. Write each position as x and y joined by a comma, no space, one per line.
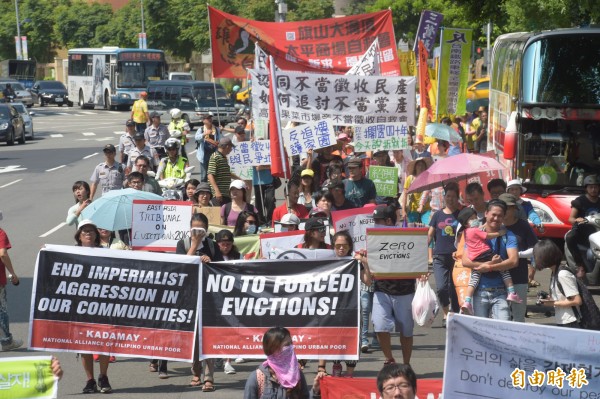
441,131
113,211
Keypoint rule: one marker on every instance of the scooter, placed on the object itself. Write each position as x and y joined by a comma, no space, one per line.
590,255
173,187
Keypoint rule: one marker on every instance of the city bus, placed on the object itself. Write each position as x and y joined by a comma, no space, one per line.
21,70
112,77
544,116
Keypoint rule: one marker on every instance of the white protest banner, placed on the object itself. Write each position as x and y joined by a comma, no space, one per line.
27,377
487,358
368,64
344,99
277,241
381,136
301,253
247,154
397,252
315,135
158,225
356,221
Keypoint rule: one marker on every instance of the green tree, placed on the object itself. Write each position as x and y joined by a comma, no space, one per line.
41,40
123,28
76,22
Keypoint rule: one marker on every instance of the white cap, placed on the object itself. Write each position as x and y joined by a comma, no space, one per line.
289,218
85,222
239,184
516,183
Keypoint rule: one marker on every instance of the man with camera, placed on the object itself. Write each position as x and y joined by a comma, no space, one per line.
6,338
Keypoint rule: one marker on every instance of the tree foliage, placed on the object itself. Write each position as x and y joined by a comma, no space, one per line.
181,26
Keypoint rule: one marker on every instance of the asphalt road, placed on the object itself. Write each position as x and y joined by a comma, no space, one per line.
35,193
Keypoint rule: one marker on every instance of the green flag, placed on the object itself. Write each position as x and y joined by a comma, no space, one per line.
454,71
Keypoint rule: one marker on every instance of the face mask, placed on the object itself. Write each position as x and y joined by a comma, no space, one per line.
285,228
474,223
285,365
251,229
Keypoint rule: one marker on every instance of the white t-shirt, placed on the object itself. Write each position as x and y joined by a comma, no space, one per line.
564,314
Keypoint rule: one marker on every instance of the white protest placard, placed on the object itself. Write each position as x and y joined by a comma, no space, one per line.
368,64
397,252
301,253
158,225
272,242
315,135
356,221
247,154
381,136
344,99
489,358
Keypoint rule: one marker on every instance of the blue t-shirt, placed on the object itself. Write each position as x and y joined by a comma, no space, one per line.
445,232
494,279
359,192
261,177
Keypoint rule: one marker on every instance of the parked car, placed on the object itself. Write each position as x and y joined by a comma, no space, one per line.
50,92
27,120
21,93
478,89
12,126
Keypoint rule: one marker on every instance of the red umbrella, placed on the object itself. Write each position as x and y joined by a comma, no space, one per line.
455,167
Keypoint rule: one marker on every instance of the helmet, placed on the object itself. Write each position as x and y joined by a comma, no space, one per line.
175,113
171,143
236,88
592,179
171,195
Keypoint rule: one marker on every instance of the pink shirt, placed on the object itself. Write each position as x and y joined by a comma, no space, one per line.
476,242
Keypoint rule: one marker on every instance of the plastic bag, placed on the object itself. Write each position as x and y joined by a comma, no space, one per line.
425,305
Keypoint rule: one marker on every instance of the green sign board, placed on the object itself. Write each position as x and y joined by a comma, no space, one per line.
385,179
27,377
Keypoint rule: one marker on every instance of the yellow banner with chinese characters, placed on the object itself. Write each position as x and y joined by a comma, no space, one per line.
408,63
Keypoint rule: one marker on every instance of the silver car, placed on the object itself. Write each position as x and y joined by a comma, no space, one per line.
26,115
21,93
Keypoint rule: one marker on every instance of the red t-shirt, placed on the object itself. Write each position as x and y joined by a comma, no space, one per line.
298,210
5,244
475,240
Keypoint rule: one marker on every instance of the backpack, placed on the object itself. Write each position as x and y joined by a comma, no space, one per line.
588,312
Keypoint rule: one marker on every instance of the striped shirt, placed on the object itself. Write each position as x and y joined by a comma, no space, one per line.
219,168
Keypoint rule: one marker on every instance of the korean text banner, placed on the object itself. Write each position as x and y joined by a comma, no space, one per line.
27,378
489,358
317,300
397,252
454,71
159,225
102,301
347,99
330,45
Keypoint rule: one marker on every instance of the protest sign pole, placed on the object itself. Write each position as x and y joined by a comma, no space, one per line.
213,72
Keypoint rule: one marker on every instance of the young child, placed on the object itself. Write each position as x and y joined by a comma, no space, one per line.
480,251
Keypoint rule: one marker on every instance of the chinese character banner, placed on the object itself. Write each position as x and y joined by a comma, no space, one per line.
333,44
454,71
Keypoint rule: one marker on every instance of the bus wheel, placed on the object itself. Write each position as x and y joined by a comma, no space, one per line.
81,103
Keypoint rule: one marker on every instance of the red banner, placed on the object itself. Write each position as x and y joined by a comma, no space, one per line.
330,45
366,388
424,82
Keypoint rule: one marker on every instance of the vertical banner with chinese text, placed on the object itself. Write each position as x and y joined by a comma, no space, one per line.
454,71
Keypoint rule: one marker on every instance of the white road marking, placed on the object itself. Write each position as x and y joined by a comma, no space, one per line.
11,168
118,132
105,139
63,113
58,167
192,153
89,156
78,115
46,234
88,112
56,135
12,182
88,133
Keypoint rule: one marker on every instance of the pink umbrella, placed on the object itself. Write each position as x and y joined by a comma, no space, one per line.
455,167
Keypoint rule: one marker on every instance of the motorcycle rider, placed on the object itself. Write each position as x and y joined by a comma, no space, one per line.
582,206
173,166
9,93
178,124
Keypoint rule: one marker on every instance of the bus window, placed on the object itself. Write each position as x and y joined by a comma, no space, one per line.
186,94
172,93
78,65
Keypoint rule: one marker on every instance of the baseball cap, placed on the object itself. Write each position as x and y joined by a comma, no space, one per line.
290,218
384,212
225,141
314,224
516,183
138,136
129,123
109,148
343,137
239,184
154,114
307,172
86,222
510,199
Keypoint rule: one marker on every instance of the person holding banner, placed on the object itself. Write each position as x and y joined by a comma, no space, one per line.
442,232
247,223
358,189
338,194
87,235
224,239
199,244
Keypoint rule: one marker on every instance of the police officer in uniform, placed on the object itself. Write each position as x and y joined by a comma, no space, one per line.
179,125
157,134
126,142
110,173
174,164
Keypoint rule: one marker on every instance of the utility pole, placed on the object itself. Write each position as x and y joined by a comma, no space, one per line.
281,11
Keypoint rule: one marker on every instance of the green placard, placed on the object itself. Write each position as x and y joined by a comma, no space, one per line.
454,71
27,377
385,179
